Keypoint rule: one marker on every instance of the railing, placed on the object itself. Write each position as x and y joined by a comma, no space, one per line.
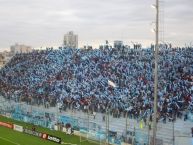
29,114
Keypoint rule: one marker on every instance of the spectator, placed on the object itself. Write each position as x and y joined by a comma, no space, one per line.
77,79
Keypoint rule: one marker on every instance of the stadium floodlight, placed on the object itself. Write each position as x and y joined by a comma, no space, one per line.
153,30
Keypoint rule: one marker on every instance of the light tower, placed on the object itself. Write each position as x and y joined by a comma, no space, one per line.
156,72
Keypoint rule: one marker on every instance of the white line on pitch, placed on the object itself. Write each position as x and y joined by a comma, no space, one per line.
9,141
68,143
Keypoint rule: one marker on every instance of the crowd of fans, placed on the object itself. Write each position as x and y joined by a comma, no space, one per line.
78,79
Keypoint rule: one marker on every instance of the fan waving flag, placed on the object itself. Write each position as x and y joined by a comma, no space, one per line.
110,83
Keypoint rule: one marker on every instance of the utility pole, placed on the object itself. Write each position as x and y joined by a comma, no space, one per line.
156,73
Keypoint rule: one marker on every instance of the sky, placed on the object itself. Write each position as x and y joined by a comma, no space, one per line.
40,23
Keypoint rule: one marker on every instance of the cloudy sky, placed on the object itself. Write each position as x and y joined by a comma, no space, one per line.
44,22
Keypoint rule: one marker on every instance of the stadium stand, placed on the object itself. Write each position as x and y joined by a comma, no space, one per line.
77,79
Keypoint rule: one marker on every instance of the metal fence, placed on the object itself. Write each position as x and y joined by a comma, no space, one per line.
34,115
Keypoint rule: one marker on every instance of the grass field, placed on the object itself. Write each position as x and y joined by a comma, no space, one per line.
11,137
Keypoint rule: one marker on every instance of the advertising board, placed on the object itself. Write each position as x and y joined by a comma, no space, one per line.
51,138
18,128
8,125
31,132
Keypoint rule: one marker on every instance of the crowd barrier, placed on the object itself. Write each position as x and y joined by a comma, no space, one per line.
48,120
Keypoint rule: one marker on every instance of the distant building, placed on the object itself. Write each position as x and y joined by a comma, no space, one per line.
20,49
5,57
2,60
71,40
118,44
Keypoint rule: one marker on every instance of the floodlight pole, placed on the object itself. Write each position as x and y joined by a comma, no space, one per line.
156,73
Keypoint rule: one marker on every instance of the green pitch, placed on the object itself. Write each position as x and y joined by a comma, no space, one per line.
11,137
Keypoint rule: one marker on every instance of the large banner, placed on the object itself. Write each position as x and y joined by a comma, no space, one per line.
34,116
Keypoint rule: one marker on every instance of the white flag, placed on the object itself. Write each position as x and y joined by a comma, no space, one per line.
110,83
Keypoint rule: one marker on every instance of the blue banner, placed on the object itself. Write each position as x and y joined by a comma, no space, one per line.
66,119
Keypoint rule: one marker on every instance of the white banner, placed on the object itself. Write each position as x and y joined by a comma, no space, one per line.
18,128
